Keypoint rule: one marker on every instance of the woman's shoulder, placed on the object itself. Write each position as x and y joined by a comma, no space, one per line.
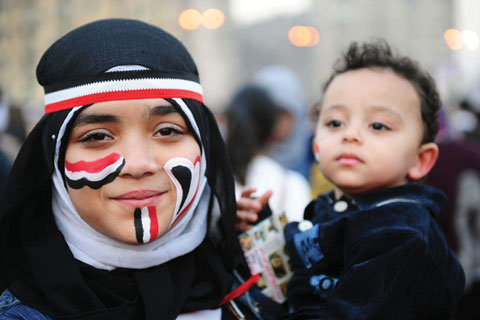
12,308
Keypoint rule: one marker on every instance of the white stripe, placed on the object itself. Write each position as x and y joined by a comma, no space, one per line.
132,67
122,85
77,175
215,314
395,200
190,117
145,225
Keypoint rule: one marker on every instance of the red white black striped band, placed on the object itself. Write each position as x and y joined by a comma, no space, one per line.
122,86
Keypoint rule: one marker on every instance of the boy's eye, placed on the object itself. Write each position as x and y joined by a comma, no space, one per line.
334,123
379,126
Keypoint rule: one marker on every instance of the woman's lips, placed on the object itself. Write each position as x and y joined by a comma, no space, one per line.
139,199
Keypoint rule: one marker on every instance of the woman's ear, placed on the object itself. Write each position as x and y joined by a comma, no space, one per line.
427,156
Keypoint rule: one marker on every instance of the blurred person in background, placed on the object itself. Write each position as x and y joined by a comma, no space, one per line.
12,127
457,174
252,117
474,134
291,137
463,119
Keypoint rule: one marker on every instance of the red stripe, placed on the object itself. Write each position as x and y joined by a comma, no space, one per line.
122,95
197,160
241,289
92,166
152,213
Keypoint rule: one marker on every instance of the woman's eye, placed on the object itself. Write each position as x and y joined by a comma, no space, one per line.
168,131
379,126
95,136
334,123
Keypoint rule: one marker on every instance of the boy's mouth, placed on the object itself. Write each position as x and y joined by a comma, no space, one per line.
348,159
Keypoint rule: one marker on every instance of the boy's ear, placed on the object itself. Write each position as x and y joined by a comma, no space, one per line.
315,149
427,156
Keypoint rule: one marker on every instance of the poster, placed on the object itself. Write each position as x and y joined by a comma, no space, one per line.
265,252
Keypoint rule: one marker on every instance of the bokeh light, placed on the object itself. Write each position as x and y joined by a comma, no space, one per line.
453,38
213,18
190,19
470,39
303,36
315,36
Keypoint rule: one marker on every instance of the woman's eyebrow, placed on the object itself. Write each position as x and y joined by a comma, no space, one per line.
162,110
84,119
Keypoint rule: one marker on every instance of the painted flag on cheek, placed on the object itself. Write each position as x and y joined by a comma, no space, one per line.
146,224
186,177
94,174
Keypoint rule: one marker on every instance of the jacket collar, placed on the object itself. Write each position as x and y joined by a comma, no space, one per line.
424,195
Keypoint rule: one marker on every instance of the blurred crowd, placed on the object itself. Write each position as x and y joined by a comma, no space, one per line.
13,131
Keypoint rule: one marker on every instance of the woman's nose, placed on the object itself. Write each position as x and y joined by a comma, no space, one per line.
140,159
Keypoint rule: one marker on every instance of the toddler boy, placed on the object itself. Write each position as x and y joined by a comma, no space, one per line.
374,250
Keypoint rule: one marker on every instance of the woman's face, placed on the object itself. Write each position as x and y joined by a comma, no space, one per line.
116,172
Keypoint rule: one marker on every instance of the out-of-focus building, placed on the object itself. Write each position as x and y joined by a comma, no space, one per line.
252,35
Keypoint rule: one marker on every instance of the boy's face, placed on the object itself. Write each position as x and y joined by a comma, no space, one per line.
369,131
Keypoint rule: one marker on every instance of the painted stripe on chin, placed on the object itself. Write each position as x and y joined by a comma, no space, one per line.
94,174
137,221
186,177
146,224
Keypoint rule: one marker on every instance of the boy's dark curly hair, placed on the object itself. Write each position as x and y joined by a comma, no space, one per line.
378,54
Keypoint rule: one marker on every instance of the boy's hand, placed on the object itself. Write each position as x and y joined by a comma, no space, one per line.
248,208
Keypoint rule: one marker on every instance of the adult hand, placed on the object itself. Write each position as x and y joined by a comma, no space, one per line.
248,208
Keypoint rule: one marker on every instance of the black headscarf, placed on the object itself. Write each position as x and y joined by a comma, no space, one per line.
37,265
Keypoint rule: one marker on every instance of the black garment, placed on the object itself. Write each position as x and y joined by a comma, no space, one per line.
379,256
40,270
5,167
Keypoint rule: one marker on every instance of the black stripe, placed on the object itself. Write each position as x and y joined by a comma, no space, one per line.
184,177
137,220
122,75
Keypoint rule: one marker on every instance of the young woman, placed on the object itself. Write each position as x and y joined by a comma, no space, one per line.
107,210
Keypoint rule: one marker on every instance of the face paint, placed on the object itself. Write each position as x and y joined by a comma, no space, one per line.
94,174
186,177
146,224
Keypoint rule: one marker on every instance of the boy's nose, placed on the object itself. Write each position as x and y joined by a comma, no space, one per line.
140,160
352,134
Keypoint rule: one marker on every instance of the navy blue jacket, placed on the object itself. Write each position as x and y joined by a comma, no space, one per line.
377,256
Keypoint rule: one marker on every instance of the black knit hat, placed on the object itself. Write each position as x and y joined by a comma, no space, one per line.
74,70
